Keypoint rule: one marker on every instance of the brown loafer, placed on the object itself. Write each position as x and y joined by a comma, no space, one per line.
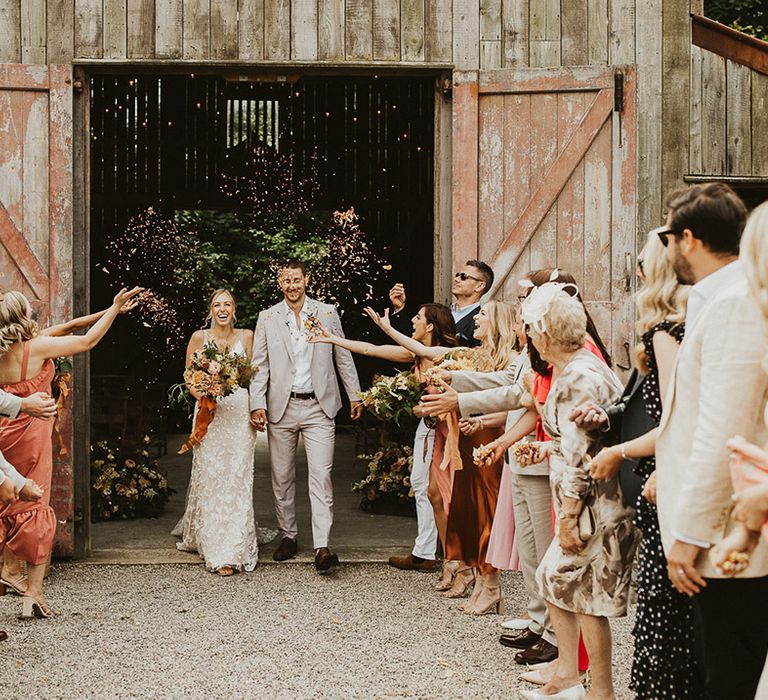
413,563
539,653
286,550
521,640
324,560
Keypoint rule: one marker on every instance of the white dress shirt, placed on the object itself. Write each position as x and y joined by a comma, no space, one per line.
302,350
698,296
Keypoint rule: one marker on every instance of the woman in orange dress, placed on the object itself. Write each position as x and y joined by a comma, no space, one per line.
27,528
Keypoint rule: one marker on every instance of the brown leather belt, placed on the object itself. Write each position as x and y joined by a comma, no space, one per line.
303,397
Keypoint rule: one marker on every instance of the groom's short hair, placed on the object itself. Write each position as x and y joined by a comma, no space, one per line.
296,264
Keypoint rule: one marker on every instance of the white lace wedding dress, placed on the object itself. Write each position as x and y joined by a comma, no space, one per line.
218,521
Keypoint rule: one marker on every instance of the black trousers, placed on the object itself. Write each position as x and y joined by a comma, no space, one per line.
731,627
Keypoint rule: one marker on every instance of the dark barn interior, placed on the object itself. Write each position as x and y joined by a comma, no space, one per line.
166,141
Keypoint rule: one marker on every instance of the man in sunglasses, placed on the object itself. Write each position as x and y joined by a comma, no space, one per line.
469,284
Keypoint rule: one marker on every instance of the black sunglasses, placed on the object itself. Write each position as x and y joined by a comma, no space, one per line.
663,234
463,276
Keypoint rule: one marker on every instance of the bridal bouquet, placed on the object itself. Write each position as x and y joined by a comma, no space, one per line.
214,374
391,397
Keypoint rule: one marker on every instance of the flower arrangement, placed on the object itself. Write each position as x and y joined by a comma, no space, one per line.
389,475
389,398
214,374
126,484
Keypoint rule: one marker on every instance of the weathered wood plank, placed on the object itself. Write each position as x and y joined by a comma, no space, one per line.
739,119
490,55
575,38
60,19
412,25
543,152
514,28
33,31
676,57
10,31
169,36
466,34
545,33
490,223
386,30
304,30
88,26
649,50
224,29
359,29
115,29
439,31
597,217
196,42
465,168
597,28
141,28
697,96
490,20
713,118
575,78
330,30
35,177
759,123
621,44
443,208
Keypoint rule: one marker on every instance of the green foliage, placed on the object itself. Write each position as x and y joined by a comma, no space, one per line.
749,16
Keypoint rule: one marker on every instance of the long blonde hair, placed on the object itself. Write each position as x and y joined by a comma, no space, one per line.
498,349
212,298
16,323
662,297
754,257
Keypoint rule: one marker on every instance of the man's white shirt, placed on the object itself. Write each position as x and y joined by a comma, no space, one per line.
301,350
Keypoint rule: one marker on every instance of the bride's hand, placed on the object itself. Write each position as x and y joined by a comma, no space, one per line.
124,297
382,321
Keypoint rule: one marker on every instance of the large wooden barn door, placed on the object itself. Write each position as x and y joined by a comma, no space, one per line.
544,176
36,225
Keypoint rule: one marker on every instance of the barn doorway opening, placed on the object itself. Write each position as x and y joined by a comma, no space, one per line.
172,155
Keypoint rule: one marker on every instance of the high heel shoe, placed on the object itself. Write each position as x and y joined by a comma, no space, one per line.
462,582
495,606
575,692
15,586
31,608
446,579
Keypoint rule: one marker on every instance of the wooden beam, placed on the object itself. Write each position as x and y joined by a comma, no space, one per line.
22,256
510,80
726,42
550,186
465,168
21,77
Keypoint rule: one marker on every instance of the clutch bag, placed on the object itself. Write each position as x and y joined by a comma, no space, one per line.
587,525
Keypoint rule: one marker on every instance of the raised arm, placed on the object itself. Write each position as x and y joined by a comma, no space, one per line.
77,324
48,346
413,346
393,353
345,364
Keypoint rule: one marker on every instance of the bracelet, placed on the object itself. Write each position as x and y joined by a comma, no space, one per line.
480,421
624,450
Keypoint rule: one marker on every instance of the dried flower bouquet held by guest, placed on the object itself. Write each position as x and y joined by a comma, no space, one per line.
389,398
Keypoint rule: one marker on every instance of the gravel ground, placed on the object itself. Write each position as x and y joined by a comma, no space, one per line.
283,631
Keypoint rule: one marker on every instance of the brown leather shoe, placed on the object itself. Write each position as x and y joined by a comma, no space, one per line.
539,653
412,563
286,550
3,635
521,640
324,560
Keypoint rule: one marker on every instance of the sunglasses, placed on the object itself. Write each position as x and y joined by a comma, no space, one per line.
663,233
463,276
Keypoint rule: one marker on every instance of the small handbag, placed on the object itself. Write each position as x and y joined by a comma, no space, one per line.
587,522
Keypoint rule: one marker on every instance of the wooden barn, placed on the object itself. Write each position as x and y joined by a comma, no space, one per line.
527,133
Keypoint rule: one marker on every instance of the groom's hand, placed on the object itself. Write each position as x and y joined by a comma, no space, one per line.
356,410
259,419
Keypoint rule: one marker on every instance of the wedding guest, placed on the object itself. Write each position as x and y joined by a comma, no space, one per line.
665,664
435,331
584,576
719,390
295,392
475,489
219,524
469,285
26,368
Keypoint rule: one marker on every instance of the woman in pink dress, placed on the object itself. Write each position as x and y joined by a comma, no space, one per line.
27,528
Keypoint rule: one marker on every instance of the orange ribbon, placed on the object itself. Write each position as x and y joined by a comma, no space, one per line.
206,410
62,381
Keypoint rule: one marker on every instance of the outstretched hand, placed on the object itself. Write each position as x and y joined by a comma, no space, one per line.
444,402
321,335
382,321
124,297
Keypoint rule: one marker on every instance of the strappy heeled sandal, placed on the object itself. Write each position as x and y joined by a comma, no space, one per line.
462,582
495,606
446,579
31,608
14,586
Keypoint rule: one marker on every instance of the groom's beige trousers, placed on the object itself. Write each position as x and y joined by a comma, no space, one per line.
303,417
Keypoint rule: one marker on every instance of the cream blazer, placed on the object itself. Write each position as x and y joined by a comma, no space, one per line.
717,390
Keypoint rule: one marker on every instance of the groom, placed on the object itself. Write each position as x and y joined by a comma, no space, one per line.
295,392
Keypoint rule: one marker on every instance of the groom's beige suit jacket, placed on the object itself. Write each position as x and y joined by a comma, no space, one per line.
272,355
717,390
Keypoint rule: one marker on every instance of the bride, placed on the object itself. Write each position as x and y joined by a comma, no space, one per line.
218,522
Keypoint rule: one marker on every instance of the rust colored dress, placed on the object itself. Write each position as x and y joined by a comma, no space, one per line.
473,504
28,527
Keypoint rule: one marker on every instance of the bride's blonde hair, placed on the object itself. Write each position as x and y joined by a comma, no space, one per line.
212,298
16,323
662,297
754,257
